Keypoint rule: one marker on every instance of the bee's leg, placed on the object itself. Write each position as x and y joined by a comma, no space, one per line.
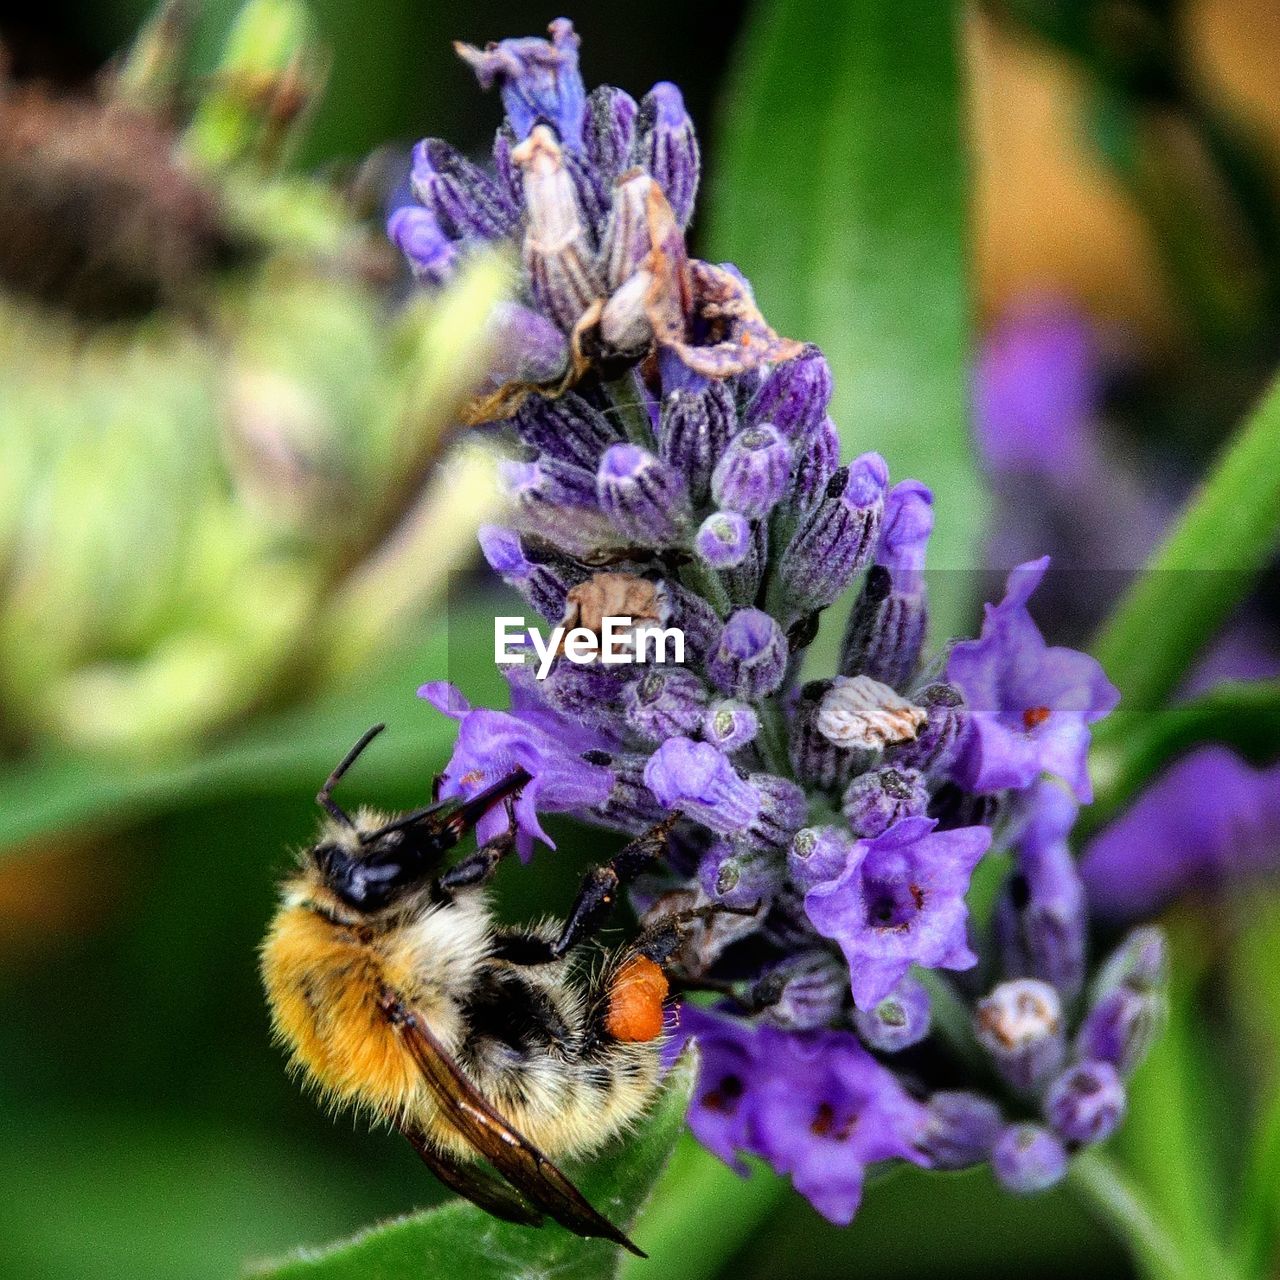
596,899
477,867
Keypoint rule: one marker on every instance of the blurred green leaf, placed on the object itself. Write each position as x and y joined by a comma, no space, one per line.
1131,747
458,1239
841,193
1208,564
289,751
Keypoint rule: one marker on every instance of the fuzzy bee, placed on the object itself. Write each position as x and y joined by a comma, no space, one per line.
395,991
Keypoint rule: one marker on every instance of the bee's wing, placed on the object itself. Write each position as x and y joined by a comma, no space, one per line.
510,1153
471,1181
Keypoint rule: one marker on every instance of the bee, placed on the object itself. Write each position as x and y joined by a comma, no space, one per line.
395,991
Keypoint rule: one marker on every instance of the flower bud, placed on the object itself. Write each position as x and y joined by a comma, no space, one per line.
558,502
885,632
794,396
631,806
837,537
430,254
1121,1027
644,497
694,431
664,703
817,459
961,1130
1085,1103
567,428
466,202
588,692
1040,920
610,131
874,801
697,618
527,347
904,535
1020,1025
724,540
817,855
698,780
1027,1159
898,1021
730,725
557,249
803,992
750,659
938,743
736,874
860,713
752,476
668,147
544,582
817,761
626,237
1141,961
783,808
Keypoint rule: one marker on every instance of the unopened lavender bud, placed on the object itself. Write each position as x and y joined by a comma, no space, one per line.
1027,1159
1041,922
626,237
724,540
557,249
874,801
610,130
736,874
668,147
694,431
631,807
466,202
509,179
743,580
750,659
794,396
803,992
783,808
961,1130
857,712
904,534
542,581
900,1020
429,252
730,725
938,743
1020,1025
558,502
817,761
1141,961
527,347
752,476
818,855
817,459
885,632
701,782
1085,1103
698,620
588,692
567,428
837,537
1121,1027
644,497
664,703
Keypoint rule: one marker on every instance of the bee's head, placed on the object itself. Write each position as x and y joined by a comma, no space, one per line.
370,866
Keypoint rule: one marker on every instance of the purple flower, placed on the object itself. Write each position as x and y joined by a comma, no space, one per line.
1209,820
697,779
718,1111
491,744
823,1110
899,902
1031,704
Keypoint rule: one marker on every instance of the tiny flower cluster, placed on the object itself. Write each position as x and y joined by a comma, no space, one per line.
675,454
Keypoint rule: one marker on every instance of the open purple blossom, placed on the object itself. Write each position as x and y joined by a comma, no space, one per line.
1031,703
899,902
675,462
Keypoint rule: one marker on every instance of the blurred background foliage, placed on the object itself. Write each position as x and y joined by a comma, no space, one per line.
189,662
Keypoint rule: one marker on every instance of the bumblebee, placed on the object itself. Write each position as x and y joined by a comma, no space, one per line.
395,991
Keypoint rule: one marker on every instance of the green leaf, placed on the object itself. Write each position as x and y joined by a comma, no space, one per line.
1130,747
840,192
458,1239
1208,564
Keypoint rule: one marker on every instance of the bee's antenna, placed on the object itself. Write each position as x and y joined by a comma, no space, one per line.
324,797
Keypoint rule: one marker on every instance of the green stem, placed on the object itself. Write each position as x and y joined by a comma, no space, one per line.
704,581
628,403
772,741
1258,1218
1116,1201
1207,565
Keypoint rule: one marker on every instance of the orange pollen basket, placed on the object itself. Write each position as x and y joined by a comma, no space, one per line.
635,1001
